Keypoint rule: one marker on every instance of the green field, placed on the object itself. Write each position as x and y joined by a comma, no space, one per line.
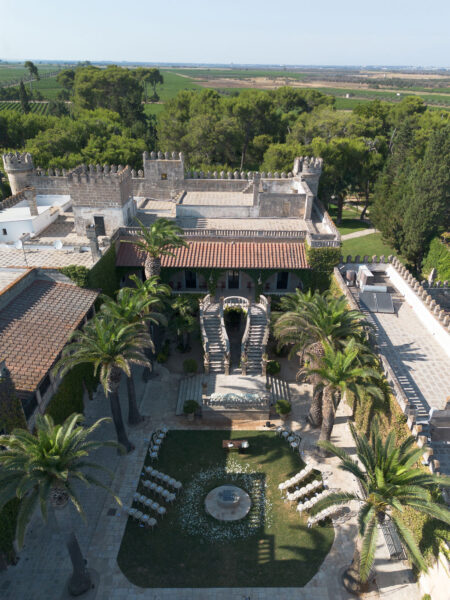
13,73
350,220
369,244
240,73
387,96
270,547
40,108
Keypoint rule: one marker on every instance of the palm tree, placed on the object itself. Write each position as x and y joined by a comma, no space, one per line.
390,482
160,239
111,347
131,307
311,321
183,322
340,371
40,470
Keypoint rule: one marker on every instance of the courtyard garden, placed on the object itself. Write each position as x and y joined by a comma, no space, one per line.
270,547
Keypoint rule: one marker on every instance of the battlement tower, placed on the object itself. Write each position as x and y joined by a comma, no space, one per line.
19,168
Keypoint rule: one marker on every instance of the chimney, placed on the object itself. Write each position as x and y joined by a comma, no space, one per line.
91,235
30,197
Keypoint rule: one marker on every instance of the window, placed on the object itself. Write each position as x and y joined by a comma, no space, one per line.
99,223
282,280
164,176
233,280
191,280
4,231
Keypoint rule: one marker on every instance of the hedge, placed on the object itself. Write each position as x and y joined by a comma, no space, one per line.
438,257
69,396
322,262
103,276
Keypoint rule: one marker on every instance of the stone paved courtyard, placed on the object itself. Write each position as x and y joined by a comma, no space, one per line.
44,566
419,362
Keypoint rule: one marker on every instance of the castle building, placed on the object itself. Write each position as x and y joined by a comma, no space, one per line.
233,222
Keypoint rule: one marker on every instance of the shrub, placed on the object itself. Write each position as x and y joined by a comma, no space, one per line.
438,257
190,406
162,357
69,396
77,273
190,365
283,407
104,275
273,367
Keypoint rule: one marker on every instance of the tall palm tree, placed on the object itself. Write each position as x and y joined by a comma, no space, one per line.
311,321
390,481
111,347
40,470
341,371
131,307
158,240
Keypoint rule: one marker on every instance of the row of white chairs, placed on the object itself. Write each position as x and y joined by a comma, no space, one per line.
296,479
308,504
326,512
292,438
149,503
166,479
138,515
160,490
156,441
305,491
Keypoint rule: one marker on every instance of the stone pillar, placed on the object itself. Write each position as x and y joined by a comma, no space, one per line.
256,181
308,206
30,197
91,235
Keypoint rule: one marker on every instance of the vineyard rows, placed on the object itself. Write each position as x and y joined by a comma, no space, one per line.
40,108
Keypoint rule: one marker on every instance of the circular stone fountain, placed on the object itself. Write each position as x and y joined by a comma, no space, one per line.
228,503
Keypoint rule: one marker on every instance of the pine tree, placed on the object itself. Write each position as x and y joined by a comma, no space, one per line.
24,98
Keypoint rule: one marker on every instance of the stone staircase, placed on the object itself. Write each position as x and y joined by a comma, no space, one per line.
254,346
216,345
190,389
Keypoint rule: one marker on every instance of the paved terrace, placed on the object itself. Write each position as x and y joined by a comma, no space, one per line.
44,566
417,359
44,258
217,199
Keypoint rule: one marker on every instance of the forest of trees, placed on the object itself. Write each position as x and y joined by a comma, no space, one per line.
394,155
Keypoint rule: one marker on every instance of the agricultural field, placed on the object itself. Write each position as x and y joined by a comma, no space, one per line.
40,108
13,72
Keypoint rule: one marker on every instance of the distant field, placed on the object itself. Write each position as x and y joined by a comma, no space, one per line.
40,108
49,88
173,83
429,98
14,72
240,73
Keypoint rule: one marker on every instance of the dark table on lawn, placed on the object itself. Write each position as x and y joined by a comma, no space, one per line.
237,444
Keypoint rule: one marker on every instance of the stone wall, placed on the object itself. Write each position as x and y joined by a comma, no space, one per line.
282,205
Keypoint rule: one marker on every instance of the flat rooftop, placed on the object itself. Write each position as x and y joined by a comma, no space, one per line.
217,199
21,211
9,276
43,258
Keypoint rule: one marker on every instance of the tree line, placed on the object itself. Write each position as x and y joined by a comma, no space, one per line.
394,154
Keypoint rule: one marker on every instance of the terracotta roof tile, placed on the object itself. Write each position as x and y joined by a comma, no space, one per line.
35,326
223,255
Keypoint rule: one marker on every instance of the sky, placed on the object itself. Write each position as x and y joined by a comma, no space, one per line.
308,32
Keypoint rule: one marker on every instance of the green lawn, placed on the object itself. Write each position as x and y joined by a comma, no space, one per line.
271,547
350,220
369,244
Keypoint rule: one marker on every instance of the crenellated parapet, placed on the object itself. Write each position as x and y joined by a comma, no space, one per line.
98,174
19,168
308,164
238,175
163,156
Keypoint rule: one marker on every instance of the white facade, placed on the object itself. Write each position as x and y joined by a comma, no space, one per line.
17,220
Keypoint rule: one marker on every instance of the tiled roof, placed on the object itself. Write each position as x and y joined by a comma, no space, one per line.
223,255
35,326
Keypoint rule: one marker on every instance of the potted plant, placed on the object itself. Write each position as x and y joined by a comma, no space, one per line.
189,408
283,408
273,367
